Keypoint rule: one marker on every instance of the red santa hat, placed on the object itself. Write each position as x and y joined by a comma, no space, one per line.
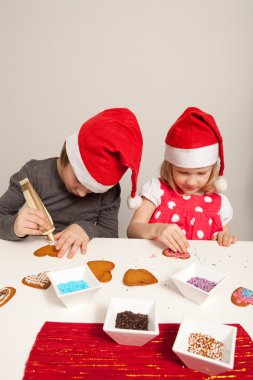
104,148
194,141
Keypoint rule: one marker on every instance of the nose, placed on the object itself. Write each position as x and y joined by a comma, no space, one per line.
191,181
81,191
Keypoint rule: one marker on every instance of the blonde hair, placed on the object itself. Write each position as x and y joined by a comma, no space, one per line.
64,160
167,177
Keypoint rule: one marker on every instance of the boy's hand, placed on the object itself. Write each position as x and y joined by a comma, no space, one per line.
29,221
71,239
225,238
172,236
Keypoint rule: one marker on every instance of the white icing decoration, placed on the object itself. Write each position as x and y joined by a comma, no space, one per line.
40,279
4,293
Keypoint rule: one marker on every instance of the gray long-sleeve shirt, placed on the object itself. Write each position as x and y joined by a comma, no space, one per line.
97,214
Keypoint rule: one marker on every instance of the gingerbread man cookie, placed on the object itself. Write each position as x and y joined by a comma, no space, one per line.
38,281
242,297
101,269
6,294
139,277
169,253
47,250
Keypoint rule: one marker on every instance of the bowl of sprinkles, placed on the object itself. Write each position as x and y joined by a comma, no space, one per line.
75,287
131,322
205,346
197,282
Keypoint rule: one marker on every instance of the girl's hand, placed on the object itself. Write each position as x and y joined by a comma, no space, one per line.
225,238
30,221
172,236
72,238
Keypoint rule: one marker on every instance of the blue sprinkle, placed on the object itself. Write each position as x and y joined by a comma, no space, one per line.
247,293
72,286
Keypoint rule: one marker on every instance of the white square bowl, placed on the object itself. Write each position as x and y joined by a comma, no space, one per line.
128,336
223,333
76,298
192,292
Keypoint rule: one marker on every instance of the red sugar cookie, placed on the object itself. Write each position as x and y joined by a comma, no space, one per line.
242,297
169,253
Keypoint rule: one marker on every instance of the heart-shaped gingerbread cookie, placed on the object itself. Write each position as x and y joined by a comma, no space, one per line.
38,281
101,269
47,250
6,294
242,297
169,253
137,277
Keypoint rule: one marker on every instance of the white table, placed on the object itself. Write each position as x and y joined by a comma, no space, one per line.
23,316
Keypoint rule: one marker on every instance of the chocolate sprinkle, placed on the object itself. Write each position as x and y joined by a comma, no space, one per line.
130,320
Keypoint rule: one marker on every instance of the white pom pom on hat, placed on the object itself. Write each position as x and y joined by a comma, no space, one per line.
104,148
220,184
194,141
134,203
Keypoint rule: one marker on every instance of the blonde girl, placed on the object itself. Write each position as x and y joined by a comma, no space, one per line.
185,202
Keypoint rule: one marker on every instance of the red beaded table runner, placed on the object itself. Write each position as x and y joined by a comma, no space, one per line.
84,351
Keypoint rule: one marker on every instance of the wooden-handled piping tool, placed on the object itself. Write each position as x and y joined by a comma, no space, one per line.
33,201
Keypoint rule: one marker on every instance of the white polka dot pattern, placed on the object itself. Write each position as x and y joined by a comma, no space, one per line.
171,205
192,221
175,218
157,214
195,214
200,234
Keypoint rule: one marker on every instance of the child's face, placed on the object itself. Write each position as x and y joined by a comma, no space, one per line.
71,182
191,181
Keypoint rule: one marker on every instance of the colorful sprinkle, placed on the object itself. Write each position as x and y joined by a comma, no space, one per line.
246,293
242,296
205,345
72,286
202,283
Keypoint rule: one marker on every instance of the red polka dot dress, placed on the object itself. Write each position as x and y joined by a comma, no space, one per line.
197,215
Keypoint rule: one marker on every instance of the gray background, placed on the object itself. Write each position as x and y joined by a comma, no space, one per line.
62,61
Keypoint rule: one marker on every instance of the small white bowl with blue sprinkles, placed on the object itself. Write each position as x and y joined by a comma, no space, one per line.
75,287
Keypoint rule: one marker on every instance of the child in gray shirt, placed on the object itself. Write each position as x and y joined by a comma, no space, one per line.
80,189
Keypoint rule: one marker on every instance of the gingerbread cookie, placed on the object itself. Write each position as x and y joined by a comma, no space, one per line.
242,297
38,281
169,253
47,250
6,294
139,277
101,269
